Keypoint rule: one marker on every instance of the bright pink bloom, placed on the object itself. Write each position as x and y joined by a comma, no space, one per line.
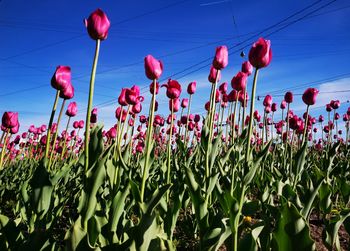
151,87
67,92
9,119
232,96
283,105
97,25
247,68
61,78
175,103
173,89
122,99
260,54
132,95
223,88
267,100
221,58
153,67
72,109
239,81
184,102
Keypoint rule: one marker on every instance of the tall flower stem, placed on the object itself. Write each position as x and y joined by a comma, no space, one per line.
48,137
65,138
252,104
244,107
233,128
211,123
169,148
188,114
123,128
229,111
305,126
90,100
3,150
56,133
149,139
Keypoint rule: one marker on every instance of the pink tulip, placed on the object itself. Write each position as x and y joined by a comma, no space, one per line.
153,67
232,96
175,103
151,87
173,89
335,104
72,109
122,99
67,92
213,75
9,119
221,58
239,81
283,105
184,102
274,107
288,97
132,94
61,78
137,108
267,100
260,54
191,88
15,129
93,118
320,119
309,96
247,68
223,88
97,25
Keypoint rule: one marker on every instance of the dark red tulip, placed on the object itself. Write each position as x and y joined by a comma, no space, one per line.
61,78
207,106
288,97
132,95
336,116
137,108
274,107
320,119
309,96
173,89
72,109
76,124
329,108
97,25
260,54
223,88
267,100
247,68
217,96
214,75
232,96
14,129
197,118
239,81
153,67
335,104
221,58
151,87
93,118
9,120
191,88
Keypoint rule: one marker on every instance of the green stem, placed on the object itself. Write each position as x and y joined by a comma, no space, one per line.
149,139
188,114
305,126
244,107
251,113
56,133
65,138
237,218
90,101
3,150
47,147
233,129
169,148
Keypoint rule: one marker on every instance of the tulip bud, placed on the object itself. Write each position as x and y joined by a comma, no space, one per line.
247,68
61,78
151,88
72,109
153,67
239,81
67,92
223,88
260,54
335,104
173,89
309,96
232,96
191,88
328,108
274,107
97,25
184,102
221,58
267,100
10,119
283,105
288,97
122,99
214,75
93,118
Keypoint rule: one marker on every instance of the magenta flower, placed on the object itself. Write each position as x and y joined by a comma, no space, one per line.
153,67
260,54
97,25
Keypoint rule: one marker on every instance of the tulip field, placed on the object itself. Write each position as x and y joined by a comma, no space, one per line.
230,178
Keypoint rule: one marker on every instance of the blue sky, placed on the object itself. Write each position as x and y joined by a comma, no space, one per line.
36,36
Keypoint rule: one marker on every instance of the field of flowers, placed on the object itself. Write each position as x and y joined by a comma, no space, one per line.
233,179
